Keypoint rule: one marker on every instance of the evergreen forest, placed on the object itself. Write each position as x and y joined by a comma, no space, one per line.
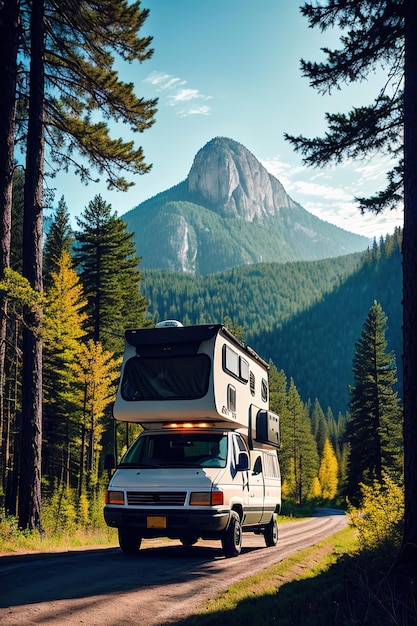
304,316
300,316
330,329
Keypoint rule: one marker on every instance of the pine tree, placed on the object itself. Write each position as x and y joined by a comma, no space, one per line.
59,239
379,33
62,336
328,472
235,329
66,65
277,390
319,425
372,35
9,39
374,427
97,371
108,268
299,452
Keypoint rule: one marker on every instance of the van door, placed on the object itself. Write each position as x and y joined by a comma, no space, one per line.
272,479
256,488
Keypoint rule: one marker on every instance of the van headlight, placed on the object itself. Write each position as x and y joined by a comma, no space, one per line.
115,497
206,498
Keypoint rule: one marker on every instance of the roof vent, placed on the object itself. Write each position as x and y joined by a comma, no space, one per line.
168,324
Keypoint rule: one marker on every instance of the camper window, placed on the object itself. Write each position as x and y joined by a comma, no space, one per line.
264,390
235,365
243,369
231,361
166,378
252,383
231,398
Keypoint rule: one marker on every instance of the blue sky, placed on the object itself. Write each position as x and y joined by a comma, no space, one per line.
232,68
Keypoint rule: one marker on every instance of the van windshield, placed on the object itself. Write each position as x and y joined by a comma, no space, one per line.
177,450
166,378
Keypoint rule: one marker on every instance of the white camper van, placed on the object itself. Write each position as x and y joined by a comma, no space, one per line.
205,465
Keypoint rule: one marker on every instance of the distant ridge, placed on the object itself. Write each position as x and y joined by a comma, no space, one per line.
230,211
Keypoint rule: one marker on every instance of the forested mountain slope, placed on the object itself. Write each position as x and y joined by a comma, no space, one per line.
229,212
257,297
305,316
316,346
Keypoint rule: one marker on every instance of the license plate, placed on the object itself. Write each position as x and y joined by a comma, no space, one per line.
156,521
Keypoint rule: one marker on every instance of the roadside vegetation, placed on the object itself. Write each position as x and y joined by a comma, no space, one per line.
346,579
67,524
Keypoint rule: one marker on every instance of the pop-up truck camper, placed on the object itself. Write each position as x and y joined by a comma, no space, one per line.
205,465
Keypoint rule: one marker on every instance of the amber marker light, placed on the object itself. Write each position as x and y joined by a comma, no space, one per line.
186,425
217,498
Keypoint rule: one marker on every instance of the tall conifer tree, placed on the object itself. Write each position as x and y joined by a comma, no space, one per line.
328,472
65,313
58,240
299,449
67,53
108,267
379,33
374,427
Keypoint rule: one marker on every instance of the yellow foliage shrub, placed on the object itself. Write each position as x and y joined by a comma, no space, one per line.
381,514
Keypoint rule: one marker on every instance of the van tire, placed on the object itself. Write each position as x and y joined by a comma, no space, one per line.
232,537
188,540
129,540
271,532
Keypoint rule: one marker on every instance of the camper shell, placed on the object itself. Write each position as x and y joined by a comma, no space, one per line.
206,464
195,373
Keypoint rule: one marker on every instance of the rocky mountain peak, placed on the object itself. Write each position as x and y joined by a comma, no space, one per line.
227,177
230,211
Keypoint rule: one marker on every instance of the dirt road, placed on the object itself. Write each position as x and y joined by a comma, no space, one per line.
159,586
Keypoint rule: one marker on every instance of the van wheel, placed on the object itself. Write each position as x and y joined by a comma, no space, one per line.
271,532
232,537
129,540
188,540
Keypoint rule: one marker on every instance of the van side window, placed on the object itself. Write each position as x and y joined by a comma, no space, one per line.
257,468
271,467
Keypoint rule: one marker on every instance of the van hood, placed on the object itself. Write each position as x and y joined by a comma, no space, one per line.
174,478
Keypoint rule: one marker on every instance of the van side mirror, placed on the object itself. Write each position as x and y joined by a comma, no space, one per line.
243,462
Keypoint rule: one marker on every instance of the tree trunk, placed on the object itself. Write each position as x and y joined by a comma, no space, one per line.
9,40
408,555
30,472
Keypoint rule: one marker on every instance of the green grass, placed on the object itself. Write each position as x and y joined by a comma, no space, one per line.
290,592
15,541
329,583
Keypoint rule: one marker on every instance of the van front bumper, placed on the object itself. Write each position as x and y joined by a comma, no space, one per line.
178,522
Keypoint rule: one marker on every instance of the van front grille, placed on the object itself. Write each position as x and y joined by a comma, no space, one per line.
156,498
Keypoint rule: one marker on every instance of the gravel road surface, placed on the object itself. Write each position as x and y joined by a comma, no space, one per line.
165,582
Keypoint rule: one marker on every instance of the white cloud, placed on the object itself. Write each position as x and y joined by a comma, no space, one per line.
202,110
186,94
330,193
182,99
325,192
